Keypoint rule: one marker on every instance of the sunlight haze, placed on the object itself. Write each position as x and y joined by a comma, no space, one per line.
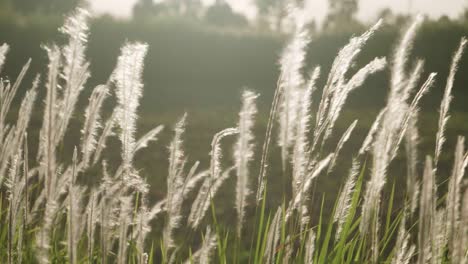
368,8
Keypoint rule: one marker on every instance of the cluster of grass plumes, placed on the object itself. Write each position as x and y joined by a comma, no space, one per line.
49,216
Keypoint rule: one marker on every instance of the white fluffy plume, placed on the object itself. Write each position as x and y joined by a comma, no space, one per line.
291,82
445,105
243,154
127,78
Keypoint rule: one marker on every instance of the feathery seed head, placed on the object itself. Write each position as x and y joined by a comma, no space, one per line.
3,52
127,78
243,153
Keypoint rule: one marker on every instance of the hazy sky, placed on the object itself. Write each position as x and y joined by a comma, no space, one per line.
317,8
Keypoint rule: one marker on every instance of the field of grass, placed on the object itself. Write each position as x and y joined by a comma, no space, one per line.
303,180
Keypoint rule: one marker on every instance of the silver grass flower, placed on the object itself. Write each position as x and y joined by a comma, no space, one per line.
310,248
175,182
336,89
404,250
25,111
43,236
145,258
47,145
53,125
283,106
288,249
461,242
344,138
173,257
439,236
291,82
21,239
14,198
105,222
262,175
7,94
211,184
427,212
273,237
393,126
75,68
127,79
203,255
344,199
92,217
152,135
92,122
412,110
72,213
157,209
11,136
340,93
191,173
400,60
111,213
401,84
76,29
142,229
374,237
370,138
447,98
223,177
7,148
193,182
301,197
9,145
414,77
190,185
300,158
209,245
26,181
243,154
75,212
204,197
3,52
177,157
340,67
106,132
124,222
454,191
411,147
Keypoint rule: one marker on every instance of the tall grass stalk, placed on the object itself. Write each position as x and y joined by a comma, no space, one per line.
445,105
243,155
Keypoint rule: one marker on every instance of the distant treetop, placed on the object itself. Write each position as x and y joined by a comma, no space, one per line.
45,6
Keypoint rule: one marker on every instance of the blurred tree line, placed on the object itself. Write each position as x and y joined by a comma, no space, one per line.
190,64
48,7
219,13
271,13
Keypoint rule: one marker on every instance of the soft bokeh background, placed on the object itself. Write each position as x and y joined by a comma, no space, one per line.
204,53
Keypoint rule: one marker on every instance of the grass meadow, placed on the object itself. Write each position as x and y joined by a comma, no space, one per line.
96,182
